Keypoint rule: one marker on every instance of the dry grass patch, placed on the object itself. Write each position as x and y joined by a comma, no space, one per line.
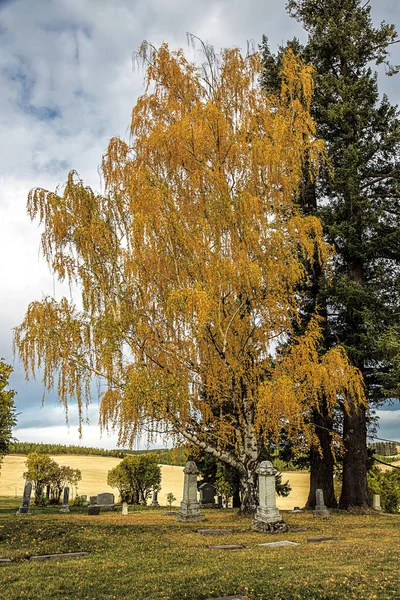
147,555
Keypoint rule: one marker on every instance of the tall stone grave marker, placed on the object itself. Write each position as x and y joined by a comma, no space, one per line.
376,502
124,508
26,498
65,505
267,517
320,508
189,509
155,499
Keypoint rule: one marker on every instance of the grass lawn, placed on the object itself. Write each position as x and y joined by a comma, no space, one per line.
149,556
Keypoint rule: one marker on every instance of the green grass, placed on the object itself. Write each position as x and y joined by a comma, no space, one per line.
148,556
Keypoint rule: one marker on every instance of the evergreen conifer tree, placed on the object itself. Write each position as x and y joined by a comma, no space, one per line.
357,198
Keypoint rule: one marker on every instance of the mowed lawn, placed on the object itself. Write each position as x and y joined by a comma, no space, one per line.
94,478
149,556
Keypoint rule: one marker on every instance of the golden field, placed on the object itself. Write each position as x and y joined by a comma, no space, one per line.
94,471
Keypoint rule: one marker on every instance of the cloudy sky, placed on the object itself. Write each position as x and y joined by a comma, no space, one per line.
66,87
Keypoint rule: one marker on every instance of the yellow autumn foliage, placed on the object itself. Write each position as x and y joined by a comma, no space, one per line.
190,265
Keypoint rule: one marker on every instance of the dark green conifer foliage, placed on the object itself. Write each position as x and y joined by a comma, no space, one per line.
359,206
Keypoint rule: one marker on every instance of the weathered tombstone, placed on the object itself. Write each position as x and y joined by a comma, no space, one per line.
189,509
93,509
105,501
320,509
267,517
155,499
84,497
65,505
26,498
124,508
207,493
376,502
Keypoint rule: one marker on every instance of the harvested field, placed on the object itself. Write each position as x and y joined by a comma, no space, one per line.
94,478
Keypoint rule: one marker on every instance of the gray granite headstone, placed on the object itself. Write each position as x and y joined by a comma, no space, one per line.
189,509
267,517
105,501
93,509
320,508
207,493
124,508
26,498
155,499
65,505
279,544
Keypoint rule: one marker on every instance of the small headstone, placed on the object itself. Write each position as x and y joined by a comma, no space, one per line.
227,547
84,497
279,544
154,501
207,493
229,598
170,513
5,560
56,556
124,508
189,509
26,498
214,531
93,509
320,509
322,539
376,502
267,517
105,501
65,505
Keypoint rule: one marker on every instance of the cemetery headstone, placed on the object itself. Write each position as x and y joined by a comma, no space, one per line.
105,501
93,499
207,493
376,502
84,498
267,517
93,509
124,508
155,499
189,509
26,498
214,531
65,505
279,544
320,509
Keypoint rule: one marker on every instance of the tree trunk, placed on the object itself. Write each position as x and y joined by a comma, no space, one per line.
322,465
248,493
354,488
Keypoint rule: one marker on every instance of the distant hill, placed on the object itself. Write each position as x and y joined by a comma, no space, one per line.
168,456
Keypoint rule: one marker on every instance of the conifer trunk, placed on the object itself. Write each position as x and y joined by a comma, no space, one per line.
322,462
354,488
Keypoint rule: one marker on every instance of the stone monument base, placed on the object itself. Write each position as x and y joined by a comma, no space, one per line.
186,518
23,511
64,509
265,527
321,514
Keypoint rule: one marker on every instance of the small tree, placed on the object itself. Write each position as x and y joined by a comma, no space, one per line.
387,485
7,409
60,477
170,499
40,470
135,477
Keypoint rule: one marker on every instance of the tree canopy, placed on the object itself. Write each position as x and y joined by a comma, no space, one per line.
7,409
190,265
136,476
